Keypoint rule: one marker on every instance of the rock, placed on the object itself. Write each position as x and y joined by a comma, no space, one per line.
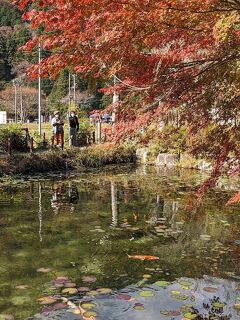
142,155
167,160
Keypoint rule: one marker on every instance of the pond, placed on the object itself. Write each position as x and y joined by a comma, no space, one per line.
120,244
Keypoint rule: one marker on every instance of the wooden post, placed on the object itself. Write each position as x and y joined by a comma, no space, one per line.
99,131
9,145
31,145
94,137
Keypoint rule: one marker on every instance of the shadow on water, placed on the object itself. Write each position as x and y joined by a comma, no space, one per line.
67,241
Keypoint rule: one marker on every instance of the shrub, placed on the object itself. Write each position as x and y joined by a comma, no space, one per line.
18,139
105,154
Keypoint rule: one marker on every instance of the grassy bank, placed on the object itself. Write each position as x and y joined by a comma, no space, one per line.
61,161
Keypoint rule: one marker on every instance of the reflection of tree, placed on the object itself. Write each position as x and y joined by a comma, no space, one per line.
114,204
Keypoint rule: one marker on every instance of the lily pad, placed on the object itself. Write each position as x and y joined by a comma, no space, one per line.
218,305
84,289
162,283
139,307
147,276
237,306
190,315
47,300
69,291
92,293
179,296
104,290
124,296
70,285
146,294
89,279
88,305
89,314
170,313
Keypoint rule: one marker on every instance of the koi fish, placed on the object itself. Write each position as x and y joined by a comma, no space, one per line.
139,257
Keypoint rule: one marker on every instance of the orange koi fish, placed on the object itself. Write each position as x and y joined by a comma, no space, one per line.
139,257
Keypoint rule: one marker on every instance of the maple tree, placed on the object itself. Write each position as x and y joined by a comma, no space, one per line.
165,54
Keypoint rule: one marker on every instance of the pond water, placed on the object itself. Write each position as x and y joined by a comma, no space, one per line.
70,246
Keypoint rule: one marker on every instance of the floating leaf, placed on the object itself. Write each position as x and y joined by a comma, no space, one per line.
104,290
59,306
69,291
162,283
89,279
147,276
139,307
84,289
44,270
179,296
70,285
237,306
89,314
47,300
92,293
210,289
190,315
218,305
146,294
88,305
170,313
124,296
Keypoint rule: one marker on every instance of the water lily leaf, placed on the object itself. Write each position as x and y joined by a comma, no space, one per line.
124,296
162,283
70,285
190,315
90,279
47,300
179,296
88,305
175,293
185,283
92,293
170,313
237,306
84,289
139,307
44,270
218,305
69,291
59,306
146,294
89,314
6,317
104,290
210,289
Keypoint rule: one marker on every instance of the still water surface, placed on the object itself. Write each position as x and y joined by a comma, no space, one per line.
61,237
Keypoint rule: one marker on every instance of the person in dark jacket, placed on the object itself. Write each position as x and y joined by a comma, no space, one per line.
73,128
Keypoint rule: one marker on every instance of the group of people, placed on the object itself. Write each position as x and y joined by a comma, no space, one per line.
58,129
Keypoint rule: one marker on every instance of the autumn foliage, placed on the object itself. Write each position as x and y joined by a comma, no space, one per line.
166,54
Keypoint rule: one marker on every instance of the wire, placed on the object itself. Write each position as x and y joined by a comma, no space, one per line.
133,87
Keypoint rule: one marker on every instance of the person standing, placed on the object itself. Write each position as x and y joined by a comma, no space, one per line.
73,128
57,130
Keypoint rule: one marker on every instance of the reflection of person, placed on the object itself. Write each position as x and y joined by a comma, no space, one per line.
56,197
57,130
73,128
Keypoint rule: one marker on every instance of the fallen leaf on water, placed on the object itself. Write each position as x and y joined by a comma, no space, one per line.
44,270
47,300
146,294
89,314
190,315
218,305
69,290
147,276
162,283
59,306
92,293
237,306
70,285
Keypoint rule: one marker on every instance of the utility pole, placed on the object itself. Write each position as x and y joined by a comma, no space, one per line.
115,101
15,99
39,91
74,90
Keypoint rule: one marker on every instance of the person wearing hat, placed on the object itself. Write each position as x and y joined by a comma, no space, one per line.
57,130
